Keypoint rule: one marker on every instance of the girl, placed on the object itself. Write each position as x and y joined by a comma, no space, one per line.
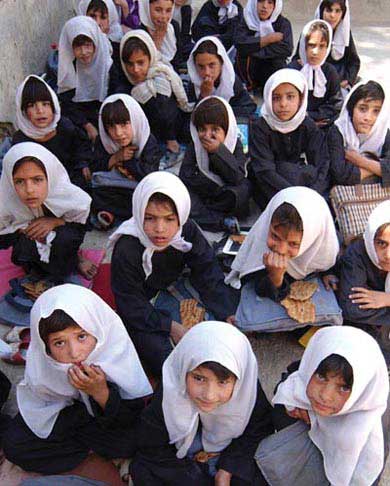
151,251
359,141
38,118
264,41
42,215
210,404
182,14
125,147
214,167
218,18
340,390
84,64
212,73
325,100
83,387
155,85
286,148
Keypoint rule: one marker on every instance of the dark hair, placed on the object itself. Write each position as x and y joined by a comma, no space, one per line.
160,198
327,4
338,365
220,371
81,40
288,217
207,47
97,6
381,229
132,45
57,321
114,113
370,91
35,90
321,27
34,160
211,111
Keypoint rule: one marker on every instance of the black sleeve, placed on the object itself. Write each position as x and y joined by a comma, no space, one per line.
118,82
81,144
5,388
242,104
280,418
342,172
229,166
282,49
189,171
352,65
186,16
317,154
246,41
149,160
8,239
333,100
71,110
265,288
100,158
179,56
204,23
385,161
19,137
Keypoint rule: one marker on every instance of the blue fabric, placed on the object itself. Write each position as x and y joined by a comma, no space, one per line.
196,447
71,480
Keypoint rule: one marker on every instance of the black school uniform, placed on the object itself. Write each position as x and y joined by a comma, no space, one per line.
156,463
277,160
110,433
256,64
206,23
210,203
5,387
118,201
185,32
149,328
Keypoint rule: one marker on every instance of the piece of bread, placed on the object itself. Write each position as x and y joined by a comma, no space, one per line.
238,238
203,456
302,290
302,311
191,313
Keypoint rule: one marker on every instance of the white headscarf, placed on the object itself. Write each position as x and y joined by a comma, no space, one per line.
64,199
374,141
171,186
168,47
116,32
319,246
316,79
351,441
91,81
226,345
252,19
225,12
139,124
45,389
161,77
225,89
22,121
202,156
342,33
380,215
297,79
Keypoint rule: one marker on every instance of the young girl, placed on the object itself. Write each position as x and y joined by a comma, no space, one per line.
340,390
83,387
212,73
42,215
286,147
84,64
359,141
202,425
151,251
156,86
38,118
325,100
264,41
214,167
127,149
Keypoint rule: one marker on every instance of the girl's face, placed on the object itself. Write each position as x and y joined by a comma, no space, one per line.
333,15
161,12
211,131
265,9
73,345
137,66
206,390
282,242
208,66
40,113
121,133
85,52
316,48
364,115
102,20
31,185
161,223
382,248
286,100
327,394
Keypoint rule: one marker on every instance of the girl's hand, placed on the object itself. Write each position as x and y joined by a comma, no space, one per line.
206,88
369,299
222,478
300,414
87,174
124,6
127,153
352,156
344,83
211,145
91,380
91,132
177,331
41,227
330,282
276,266
231,320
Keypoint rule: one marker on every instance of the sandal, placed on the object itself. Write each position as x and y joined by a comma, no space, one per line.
18,356
105,219
18,334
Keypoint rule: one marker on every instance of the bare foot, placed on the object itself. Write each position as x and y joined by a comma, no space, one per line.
173,146
87,268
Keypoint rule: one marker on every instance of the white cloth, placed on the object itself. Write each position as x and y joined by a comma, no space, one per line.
351,441
45,389
226,345
116,33
64,199
89,81
225,89
22,121
374,141
380,215
297,79
139,125
262,27
225,12
342,33
202,156
316,79
171,186
319,246
168,47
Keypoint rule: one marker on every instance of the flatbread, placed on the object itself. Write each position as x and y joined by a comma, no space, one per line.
238,238
203,456
35,289
302,311
191,313
302,290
